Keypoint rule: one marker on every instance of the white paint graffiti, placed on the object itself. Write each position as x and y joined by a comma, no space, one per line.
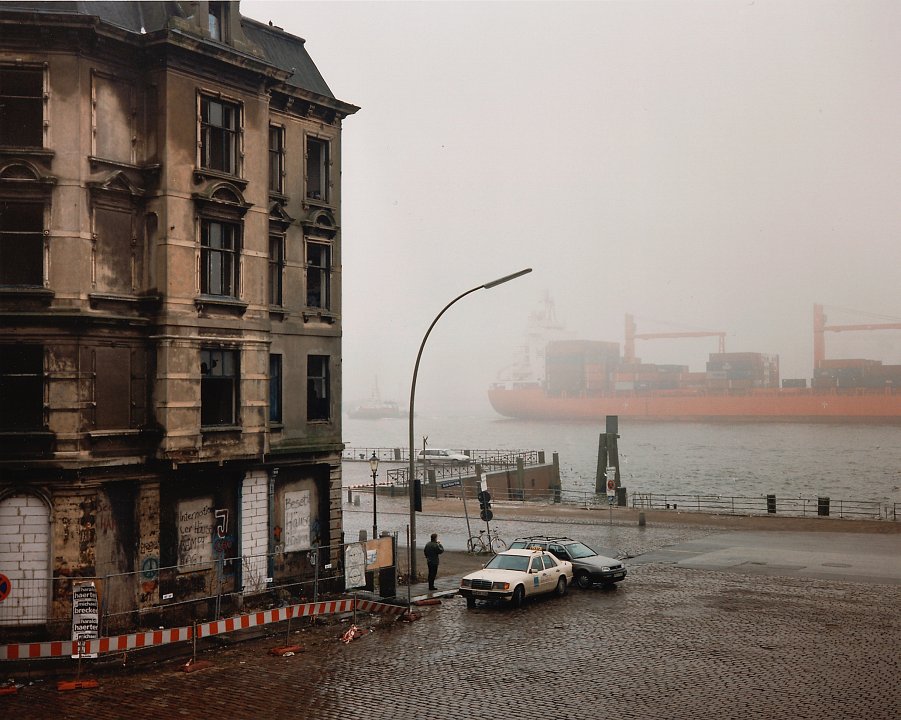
196,521
297,520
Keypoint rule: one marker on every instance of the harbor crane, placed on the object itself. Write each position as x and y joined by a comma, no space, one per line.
632,336
820,328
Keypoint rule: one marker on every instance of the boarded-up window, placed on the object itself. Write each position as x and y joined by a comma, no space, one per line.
115,250
114,120
112,388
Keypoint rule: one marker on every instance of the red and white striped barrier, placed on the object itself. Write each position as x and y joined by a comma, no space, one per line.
120,643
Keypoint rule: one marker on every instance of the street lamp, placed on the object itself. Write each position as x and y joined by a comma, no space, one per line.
411,472
374,466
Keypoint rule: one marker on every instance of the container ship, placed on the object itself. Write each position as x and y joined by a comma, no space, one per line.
588,380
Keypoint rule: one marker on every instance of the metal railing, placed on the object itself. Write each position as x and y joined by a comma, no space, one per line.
765,505
714,504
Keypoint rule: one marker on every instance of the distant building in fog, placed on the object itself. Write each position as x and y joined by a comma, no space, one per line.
170,291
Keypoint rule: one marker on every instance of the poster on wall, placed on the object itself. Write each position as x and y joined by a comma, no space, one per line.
354,566
297,520
196,522
85,616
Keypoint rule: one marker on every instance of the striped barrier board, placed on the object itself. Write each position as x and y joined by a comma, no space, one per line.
153,638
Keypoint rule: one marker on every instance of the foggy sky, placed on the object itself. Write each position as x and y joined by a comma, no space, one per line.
701,165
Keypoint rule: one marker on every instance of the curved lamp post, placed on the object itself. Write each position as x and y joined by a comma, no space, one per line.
411,478
374,466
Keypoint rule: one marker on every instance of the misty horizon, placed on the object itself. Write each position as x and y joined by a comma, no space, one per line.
718,166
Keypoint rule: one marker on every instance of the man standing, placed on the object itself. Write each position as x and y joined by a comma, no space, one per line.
432,550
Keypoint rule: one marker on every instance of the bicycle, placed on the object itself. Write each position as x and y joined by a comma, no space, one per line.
486,542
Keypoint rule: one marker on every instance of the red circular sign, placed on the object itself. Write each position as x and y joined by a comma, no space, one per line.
611,484
5,587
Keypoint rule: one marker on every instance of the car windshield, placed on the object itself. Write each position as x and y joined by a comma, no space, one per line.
579,550
509,562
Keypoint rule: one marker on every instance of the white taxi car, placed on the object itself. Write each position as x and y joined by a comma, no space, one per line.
514,575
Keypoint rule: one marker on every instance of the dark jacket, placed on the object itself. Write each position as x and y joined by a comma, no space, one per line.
432,550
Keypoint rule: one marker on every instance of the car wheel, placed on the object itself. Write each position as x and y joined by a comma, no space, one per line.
470,602
583,580
518,595
561,587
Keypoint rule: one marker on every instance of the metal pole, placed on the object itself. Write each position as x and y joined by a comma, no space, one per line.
375,497
411,476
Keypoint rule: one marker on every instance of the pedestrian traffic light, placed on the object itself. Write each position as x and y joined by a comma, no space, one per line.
485,506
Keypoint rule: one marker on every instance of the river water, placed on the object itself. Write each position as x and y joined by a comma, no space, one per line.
847,462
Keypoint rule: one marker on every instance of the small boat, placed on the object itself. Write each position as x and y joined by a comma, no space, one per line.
375,408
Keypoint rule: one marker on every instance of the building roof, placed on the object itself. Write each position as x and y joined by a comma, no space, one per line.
281,49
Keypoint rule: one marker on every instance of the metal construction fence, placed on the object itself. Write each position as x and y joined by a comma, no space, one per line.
180,594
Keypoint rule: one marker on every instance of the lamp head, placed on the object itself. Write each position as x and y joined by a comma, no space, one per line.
374,463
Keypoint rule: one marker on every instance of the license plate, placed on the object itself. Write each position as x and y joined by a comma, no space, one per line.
480,593
618,576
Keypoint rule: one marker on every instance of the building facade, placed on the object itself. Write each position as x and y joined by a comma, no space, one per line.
170,295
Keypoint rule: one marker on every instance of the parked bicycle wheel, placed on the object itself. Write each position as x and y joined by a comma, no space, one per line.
498,544
475,544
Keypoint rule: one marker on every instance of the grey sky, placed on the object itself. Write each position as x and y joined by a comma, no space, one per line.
713,165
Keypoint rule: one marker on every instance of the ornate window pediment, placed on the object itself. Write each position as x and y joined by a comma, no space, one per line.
23,174
223,197
117,182
321,221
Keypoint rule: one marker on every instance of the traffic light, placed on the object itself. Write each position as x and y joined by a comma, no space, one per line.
485,506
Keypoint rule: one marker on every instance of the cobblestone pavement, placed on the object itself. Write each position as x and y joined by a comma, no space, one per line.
671,642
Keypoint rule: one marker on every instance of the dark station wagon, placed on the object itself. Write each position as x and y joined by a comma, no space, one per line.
589,568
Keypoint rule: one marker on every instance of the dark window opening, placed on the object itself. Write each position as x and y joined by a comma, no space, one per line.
275,388
21,107
276,159
21,243
276,268
317,169
219,135
219,258
21,387
317,387
218,387
318,275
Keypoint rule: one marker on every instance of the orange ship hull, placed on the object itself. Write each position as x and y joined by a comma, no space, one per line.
770,405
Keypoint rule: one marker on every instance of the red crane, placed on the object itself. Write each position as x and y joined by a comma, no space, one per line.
632,336
820,327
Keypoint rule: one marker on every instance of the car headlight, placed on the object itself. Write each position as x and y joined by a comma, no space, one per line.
466,583
497,585
605,569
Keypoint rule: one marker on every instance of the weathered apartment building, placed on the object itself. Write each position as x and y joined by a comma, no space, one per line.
170,300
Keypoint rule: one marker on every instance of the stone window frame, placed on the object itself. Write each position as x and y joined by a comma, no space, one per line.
322,191
38,375
43,98
202,169
319,390
211,384
22,182
277,169
276,389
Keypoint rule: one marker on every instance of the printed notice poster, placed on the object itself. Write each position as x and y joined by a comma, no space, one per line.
354,566
196,523
297,520
85,615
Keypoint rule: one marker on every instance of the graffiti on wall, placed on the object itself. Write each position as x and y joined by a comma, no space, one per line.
197,523
297,520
